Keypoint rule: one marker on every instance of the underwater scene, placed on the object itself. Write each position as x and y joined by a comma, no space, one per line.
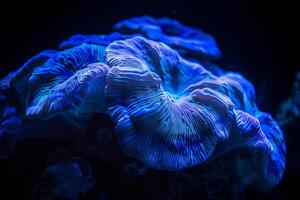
149,100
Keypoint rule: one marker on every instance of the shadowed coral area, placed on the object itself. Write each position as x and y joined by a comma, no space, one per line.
17,81
64,177
10,125
289,110
274,166
70,176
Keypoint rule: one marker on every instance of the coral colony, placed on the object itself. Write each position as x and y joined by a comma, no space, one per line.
173,108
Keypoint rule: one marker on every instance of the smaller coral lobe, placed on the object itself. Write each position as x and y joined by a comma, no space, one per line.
65,79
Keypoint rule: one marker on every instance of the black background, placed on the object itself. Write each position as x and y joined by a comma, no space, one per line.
258,39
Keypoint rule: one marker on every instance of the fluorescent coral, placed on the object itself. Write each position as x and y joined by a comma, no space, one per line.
172,107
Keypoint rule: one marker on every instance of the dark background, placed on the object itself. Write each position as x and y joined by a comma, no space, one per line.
258,39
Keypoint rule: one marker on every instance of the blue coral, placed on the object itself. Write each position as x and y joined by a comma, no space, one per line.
173,108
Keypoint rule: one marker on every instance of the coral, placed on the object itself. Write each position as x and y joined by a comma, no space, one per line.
173,108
